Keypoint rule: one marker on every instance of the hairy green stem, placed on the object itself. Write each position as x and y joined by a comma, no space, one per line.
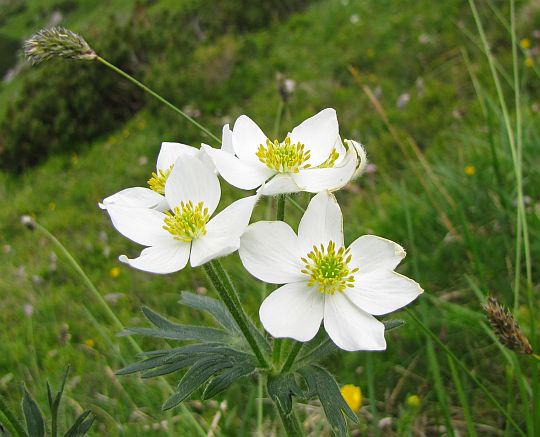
280,214
290,423
158,97
219,282
297,346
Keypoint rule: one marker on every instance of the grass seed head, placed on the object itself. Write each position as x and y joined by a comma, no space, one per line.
506,328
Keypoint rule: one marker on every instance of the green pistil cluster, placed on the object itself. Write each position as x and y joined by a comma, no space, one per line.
187,221
157,181
328,269
284,157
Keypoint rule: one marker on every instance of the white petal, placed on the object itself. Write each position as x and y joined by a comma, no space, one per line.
161,259
294,311
226,140
361,157
170,152
141,225
246,138
382,292
191,179
236,172
321,223
349,327
371,253
138,197
314,180
279,184
205,158
223,232
319,134
270,252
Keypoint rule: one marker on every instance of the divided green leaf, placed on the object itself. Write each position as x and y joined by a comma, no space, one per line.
281,389
323,385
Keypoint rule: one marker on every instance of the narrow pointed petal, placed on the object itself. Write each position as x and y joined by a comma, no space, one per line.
138,197
191,179
161,259
382,291
321,223
270,252
349,327
246,138
315,180
141,225
371,253
241,174
294,311
170,152
319,134
226,140
223,232
279,184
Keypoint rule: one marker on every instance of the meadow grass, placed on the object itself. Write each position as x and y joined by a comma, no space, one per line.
456,183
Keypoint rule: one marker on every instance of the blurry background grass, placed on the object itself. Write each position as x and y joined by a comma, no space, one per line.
409,79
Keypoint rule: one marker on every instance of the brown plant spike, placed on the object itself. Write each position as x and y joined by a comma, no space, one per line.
506,328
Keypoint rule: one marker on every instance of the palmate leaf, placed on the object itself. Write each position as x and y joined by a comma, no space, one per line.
214,307
323,385
174,331
35,425
225,379
281,389
196,376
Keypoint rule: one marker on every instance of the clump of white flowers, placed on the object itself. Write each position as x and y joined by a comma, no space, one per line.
322,280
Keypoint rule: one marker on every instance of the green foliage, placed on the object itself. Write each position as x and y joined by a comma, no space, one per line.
35,422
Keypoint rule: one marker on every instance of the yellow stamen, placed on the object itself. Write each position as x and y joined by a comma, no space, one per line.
157,181
284,157
328,269
187,221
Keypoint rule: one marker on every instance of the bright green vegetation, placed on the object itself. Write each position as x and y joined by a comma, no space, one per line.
447,186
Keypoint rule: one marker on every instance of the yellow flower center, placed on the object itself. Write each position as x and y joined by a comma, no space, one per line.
329,163
157,181
187,221
328,269
284,157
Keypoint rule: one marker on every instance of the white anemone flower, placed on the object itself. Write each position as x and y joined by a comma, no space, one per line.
186,232
153,196
324,280
311,158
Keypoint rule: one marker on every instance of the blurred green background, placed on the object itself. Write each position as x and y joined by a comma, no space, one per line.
409,79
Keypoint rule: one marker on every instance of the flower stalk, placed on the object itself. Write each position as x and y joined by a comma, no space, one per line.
219,282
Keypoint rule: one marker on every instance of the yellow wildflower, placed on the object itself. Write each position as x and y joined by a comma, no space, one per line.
529,62
89,342
525,43
470,170
115,272
353,396
52,206
413,401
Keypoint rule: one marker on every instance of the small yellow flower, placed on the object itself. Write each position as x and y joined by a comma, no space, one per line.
52,206
115,272
89,342
413,401
525,43
529,62
353,396
470,170
74,158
